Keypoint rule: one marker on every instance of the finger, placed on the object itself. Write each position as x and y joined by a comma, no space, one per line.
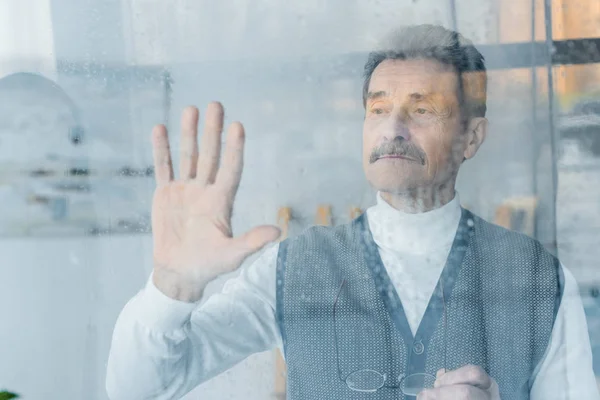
472,375
454,392
188,152
163,167
210,144
230,172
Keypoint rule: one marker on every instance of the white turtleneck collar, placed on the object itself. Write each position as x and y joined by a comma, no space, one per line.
417,233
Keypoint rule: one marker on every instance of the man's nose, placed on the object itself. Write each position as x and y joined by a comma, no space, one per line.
399,126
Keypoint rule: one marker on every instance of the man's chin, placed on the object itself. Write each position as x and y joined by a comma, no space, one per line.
394,179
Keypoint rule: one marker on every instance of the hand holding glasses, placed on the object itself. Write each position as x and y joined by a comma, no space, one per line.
369,380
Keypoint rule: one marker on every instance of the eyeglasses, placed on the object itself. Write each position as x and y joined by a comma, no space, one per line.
369,380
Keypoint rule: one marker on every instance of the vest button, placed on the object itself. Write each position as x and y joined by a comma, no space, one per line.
418,347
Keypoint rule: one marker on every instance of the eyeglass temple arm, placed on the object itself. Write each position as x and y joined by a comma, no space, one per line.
335,341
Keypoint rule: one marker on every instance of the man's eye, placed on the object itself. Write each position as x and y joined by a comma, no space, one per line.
421,111
377,110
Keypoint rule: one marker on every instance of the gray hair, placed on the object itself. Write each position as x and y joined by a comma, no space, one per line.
437,43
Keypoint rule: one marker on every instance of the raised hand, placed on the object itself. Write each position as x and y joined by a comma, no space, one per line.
191,216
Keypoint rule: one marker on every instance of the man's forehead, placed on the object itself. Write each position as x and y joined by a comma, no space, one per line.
412,77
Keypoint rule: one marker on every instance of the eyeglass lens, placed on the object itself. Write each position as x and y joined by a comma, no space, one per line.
412,385
365,380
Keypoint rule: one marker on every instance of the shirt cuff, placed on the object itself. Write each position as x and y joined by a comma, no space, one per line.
161,313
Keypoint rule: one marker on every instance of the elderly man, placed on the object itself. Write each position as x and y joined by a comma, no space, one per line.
416,297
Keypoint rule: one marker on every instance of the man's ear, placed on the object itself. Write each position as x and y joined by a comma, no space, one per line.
475,135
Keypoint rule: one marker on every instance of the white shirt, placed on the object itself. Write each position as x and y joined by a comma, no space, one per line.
163,348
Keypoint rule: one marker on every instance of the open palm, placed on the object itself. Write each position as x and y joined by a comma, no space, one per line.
191,216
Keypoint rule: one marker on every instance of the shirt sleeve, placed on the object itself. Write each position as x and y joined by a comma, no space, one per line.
163,348
566,372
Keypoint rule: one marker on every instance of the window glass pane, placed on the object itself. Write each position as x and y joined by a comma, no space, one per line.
83,83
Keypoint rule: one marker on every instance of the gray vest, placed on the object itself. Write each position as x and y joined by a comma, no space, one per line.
502,291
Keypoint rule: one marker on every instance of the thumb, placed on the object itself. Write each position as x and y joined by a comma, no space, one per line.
256,238
438,375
